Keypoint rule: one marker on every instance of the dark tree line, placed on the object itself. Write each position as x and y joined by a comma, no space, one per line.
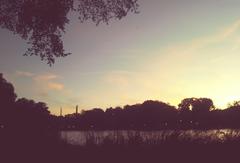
23,121
26,129
192,113
42,22
23,114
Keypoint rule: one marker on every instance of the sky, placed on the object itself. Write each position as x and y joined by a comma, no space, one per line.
171,50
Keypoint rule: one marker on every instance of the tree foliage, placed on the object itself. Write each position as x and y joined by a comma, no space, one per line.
196,104
7,94
20,113
42,22
31,115
192,113
7,99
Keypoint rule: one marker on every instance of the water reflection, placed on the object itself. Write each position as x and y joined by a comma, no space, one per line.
123,136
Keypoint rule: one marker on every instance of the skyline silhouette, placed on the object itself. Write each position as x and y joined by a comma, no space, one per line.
28,131
119,81
168,51
191,113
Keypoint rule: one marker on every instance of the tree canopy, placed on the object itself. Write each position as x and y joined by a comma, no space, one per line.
7,94
191,113
42,22
7,99
196,104
22,112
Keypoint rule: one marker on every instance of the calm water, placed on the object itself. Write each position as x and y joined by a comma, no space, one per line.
98,137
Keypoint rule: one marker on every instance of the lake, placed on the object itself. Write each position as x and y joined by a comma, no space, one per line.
150,137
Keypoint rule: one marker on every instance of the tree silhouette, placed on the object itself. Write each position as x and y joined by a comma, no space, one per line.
7,99
234,105
35,119
195,112
31,115
42,22
21,114
196,104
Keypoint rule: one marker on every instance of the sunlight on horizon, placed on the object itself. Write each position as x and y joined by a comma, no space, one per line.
184,70
167,52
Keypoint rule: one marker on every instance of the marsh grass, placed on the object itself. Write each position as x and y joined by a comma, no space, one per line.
173,137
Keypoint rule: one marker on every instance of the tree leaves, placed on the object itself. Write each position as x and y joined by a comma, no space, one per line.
42,22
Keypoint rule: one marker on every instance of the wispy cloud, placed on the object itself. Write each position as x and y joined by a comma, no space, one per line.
48,82
176,57
24,74
231,29
45,77
204,41
45,82
204,61
55,86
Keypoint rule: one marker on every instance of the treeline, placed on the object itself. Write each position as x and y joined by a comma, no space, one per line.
18,115
191,113
29,133
24,121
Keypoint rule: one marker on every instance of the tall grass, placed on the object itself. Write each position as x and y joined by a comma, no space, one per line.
138,138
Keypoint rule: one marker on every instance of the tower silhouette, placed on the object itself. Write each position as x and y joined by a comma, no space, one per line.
77,109
61,111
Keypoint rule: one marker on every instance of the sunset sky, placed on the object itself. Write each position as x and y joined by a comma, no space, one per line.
171,50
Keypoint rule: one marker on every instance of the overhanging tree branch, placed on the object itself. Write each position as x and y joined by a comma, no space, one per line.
42,22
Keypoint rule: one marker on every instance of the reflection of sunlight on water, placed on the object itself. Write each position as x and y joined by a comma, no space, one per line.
98,137
221,134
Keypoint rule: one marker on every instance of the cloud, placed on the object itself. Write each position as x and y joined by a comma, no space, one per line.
177,57
24,74
55,86
231,29
43,82
218,37
203,61
45,77
48,82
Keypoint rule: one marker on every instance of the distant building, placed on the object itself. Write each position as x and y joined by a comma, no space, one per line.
77,109
61,112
